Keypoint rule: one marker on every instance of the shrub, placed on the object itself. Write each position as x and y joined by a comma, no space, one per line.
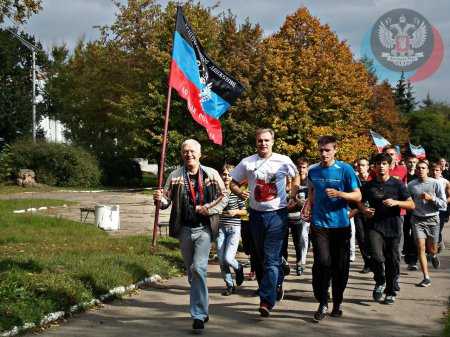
121,171
5,164
54,164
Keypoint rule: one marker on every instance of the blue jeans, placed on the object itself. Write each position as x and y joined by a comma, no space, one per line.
195,244
268,230
227,245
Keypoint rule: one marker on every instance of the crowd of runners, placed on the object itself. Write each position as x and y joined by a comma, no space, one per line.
388,207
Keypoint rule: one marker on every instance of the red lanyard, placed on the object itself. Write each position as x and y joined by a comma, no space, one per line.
192,190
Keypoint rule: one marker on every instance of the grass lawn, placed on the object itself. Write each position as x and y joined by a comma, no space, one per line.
49,264
10,188
446,332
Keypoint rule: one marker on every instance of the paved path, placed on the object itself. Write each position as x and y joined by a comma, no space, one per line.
164,311
136,209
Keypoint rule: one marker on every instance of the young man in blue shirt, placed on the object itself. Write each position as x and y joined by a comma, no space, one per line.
332,185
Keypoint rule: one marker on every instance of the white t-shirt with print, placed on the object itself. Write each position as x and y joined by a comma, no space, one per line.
443,183
266,178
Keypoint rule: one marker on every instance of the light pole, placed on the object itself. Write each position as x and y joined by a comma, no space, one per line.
33,49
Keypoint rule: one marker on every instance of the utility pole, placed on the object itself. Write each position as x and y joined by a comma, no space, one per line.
33,49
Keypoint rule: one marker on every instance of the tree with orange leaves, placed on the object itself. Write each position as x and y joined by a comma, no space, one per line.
311,85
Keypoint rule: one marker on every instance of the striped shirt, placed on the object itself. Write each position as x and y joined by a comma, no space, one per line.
234,202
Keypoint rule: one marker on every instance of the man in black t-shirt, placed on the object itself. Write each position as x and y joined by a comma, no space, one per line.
385,196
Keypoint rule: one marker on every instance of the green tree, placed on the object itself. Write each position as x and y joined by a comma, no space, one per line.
111,93
16,86
430,127
19,10
427,102
404,95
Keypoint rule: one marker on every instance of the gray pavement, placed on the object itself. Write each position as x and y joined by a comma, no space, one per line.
136,209
163,311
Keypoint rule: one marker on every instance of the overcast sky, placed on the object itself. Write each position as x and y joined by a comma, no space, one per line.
69,20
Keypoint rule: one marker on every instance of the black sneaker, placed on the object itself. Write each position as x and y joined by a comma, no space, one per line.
206,320
229,291
426,282
435,261
198,325
377,292
321,313
389,299
412,267
240,275
365,270
285,266
336,312
280,293
299,270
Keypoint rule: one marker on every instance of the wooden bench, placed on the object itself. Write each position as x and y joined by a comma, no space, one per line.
85,211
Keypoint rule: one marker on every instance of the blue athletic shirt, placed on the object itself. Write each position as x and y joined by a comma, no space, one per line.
331,212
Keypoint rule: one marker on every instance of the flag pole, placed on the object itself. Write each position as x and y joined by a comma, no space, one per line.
161,165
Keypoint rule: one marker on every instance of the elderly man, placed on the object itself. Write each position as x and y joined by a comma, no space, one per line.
197,195
266,173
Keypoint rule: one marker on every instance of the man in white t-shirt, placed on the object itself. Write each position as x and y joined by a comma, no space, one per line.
265,173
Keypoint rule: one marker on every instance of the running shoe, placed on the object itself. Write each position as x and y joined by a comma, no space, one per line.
389,299
229,291
412,267
321,313
336,312
377,293
264,309
285,266
435,261
240,275
198,325
426,282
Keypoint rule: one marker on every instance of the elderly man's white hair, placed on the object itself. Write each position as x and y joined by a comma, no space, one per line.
192,142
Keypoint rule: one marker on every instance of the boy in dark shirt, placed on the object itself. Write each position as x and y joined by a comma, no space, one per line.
385,196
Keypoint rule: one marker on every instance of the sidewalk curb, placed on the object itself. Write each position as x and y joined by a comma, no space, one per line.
34,210
54,316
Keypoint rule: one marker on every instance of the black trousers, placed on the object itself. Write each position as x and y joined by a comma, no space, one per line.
409,243
249,248
362,237
293,228
385,260
331,247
